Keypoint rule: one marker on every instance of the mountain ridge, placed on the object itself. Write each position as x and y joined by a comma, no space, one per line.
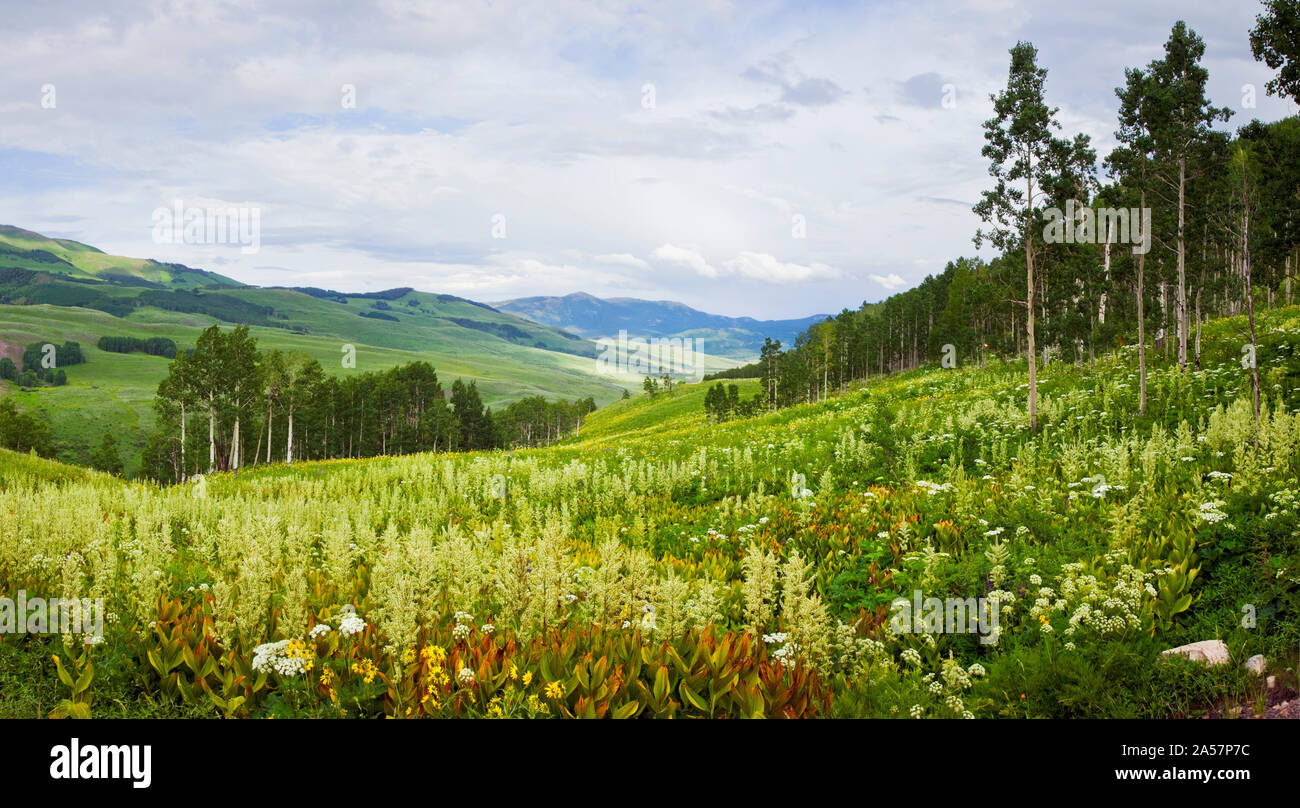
594,317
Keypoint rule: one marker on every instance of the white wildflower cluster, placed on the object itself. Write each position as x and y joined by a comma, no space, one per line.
849,650
948,687
933,488
785,650
786,653
1211,512
463,625
319,630
1284,503
1104,607
273,657
351,624
1045,602
465,676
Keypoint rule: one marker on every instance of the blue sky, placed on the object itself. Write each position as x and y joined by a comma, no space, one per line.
538,115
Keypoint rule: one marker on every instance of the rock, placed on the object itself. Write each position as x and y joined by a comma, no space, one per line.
1256,664
1211,652
1271,682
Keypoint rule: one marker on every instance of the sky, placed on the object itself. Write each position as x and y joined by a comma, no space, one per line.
752,158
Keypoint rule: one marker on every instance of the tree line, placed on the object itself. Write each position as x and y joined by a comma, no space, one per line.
723,403
154,346
226,405
42,364
1074,277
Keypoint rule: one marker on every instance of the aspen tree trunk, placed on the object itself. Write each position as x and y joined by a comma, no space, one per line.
1029,271
212,434
1101,307
1250,309
182,475
1142,329
1182,266
1198,329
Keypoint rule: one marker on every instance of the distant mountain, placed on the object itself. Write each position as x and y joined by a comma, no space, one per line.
594,318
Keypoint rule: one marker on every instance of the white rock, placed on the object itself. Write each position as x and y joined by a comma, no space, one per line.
1211,652
1256,664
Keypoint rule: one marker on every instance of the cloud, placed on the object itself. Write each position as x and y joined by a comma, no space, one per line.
761,113
766,268
893,281
685,257
622,259
813,93
749,265
796,89
941,200
923,90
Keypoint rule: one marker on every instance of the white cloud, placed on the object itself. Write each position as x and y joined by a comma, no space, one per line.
622,259
893,281
764,267
686,257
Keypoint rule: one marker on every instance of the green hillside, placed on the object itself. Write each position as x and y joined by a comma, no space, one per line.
661,416
114,392
23,249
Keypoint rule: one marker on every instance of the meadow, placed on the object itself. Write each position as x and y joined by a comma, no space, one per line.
663,565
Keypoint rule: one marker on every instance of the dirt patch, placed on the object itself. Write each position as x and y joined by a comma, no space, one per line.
13,350
1278,703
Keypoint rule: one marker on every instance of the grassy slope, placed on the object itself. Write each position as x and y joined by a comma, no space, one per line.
642,416
85,261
